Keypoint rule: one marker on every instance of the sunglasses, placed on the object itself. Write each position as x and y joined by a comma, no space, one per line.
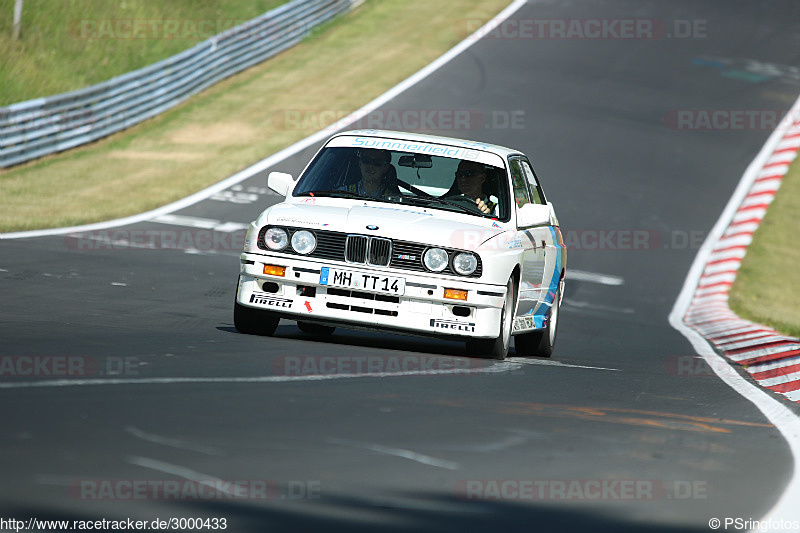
467,173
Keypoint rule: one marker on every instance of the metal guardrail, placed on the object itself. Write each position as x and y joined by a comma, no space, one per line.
43,126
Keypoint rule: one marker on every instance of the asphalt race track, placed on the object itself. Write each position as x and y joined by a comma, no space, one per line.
172,392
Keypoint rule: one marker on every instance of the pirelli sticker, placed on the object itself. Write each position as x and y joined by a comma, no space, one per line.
262,298
453,325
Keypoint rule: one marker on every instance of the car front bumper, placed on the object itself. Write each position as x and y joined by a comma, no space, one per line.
421,310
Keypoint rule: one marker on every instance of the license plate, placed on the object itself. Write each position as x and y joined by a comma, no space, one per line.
349,279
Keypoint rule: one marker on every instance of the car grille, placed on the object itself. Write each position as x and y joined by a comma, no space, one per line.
380,251
355,249
371,250
365,249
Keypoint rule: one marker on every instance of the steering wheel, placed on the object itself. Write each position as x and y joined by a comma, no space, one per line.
467,201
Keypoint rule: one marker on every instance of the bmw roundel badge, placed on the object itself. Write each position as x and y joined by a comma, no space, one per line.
372,227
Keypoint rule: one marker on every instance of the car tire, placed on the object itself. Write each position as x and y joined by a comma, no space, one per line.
541,343
317,330
254,321
498,348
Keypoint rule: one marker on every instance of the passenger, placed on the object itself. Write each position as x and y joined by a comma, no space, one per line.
470,180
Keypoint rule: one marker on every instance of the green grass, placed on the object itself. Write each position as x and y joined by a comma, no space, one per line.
239,121
767,287
68,44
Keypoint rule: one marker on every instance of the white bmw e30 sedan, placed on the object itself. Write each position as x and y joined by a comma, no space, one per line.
408,233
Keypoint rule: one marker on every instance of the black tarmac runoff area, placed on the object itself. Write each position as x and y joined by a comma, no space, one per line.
127,393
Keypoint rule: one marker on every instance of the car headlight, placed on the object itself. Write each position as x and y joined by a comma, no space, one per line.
304,242
465,264
276,238
435,259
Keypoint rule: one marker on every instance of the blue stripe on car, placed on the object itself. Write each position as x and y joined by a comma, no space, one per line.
552,287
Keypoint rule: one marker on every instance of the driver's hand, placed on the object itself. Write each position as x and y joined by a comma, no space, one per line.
482,205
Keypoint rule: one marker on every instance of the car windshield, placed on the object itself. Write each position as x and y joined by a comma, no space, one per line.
436,182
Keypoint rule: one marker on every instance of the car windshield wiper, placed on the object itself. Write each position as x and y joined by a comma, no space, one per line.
337,194
441,201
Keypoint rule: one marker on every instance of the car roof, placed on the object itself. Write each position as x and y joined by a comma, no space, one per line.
502,151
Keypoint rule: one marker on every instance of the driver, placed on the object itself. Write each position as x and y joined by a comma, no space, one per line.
377,174
470,177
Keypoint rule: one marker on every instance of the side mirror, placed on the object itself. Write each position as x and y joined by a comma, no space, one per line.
280,182
533,215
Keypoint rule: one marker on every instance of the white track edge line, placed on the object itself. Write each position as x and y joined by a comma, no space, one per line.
286,152
782,417
500,366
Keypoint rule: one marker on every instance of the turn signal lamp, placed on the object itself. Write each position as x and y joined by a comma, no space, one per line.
275,270
455,294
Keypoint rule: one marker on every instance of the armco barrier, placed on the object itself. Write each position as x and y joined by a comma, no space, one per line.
35,128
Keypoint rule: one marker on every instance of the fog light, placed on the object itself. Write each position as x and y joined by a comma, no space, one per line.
270,286
455,294
460,310
274,270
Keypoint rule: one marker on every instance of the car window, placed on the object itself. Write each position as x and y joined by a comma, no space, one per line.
533,185
411,178
519,183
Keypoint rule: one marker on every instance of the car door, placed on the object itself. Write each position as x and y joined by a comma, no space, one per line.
550,247
532,239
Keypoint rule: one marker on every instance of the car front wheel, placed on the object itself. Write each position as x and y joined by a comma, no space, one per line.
498,348
541,343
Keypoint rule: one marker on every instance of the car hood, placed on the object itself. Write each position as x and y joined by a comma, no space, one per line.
392,221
